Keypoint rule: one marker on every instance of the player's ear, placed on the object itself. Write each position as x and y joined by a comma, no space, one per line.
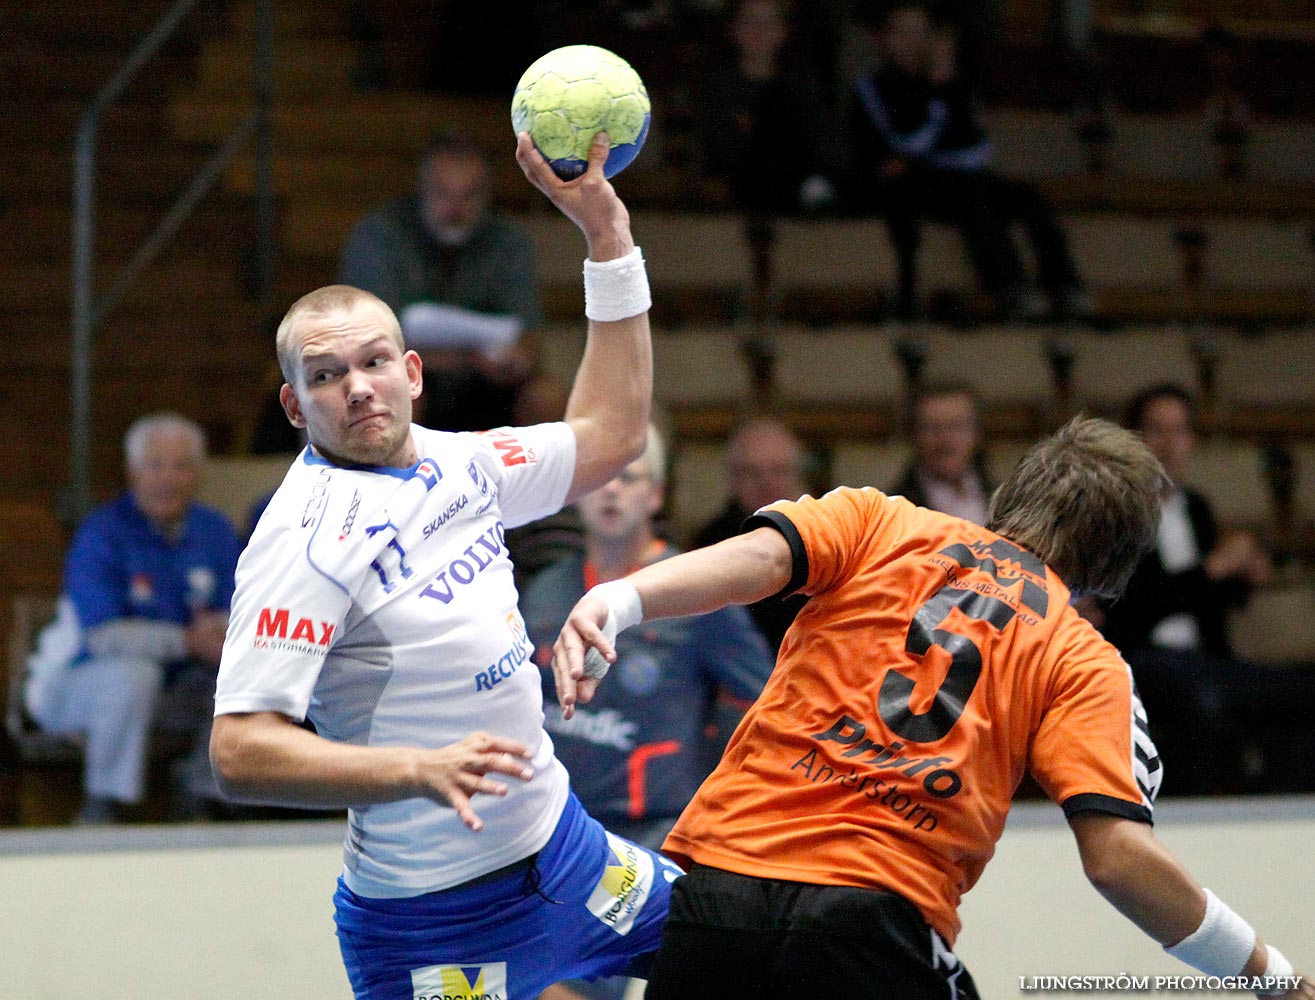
414,373
292,406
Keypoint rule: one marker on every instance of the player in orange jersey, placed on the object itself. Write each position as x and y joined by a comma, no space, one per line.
935,662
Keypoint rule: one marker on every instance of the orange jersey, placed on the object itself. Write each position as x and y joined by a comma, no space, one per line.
935,663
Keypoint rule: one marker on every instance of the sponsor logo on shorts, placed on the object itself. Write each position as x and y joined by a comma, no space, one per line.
460,982
623,890
277,630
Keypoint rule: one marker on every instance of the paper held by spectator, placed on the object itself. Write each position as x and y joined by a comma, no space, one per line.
432,325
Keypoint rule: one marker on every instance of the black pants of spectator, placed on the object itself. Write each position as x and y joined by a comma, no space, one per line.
983,206
733,935
1227,726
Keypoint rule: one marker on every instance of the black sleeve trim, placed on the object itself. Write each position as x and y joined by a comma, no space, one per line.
798,554
1095,802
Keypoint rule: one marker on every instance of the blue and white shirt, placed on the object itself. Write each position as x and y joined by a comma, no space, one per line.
380,604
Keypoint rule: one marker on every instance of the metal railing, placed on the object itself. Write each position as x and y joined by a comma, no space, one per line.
90,309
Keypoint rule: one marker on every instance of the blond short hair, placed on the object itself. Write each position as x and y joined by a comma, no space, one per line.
322,302
655,455
1086,500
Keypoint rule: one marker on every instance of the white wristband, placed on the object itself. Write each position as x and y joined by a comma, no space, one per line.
1277,967
616,289
1221,945
623,610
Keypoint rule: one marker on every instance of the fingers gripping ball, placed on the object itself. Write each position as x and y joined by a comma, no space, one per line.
570,95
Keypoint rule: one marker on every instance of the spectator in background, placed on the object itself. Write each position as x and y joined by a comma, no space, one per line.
948,470
765,462
764,132
462,282
921,152
1172,623
766,128
141,622
636,754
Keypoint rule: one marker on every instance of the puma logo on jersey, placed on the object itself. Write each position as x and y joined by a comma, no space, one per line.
273,624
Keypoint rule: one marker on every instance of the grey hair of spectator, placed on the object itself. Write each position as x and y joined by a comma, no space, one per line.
138,437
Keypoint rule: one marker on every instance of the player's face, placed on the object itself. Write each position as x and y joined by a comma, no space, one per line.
354,387
765,467
1166,427
456,194
164,480
622,510
945,436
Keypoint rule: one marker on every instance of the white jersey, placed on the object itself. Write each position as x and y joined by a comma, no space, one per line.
380,604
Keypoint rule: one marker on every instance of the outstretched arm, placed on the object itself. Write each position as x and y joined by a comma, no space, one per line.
266,757
740,570
1143,881
609,404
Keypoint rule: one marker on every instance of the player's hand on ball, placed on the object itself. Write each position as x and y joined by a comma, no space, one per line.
582,653
458,771
589,200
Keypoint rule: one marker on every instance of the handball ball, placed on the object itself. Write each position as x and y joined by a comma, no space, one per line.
571,94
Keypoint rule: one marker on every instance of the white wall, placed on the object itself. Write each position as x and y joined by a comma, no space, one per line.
244,910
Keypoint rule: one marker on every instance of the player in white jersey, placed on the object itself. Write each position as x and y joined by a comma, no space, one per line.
376,599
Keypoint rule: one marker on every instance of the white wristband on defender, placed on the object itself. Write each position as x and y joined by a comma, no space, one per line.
1221,945
623,610
616,289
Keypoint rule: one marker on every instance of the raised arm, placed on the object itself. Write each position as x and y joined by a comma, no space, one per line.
740,570
609,404
1143,881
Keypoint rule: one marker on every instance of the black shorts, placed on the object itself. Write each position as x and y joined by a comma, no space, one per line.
732,936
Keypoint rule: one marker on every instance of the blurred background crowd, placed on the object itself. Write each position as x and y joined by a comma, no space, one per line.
891,243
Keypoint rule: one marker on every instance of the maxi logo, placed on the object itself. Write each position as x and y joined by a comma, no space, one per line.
272,632
478,556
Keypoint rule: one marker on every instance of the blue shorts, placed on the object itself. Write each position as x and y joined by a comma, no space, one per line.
590,904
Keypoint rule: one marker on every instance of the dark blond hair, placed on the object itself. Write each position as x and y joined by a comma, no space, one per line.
321,302
1086,500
